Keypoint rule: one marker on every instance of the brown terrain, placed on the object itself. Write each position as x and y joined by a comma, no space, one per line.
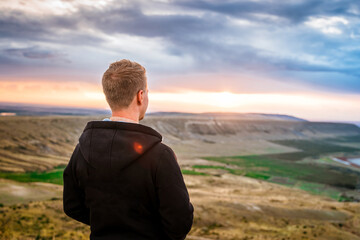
226,206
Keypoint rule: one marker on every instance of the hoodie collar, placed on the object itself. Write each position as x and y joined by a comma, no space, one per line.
124,126
120,119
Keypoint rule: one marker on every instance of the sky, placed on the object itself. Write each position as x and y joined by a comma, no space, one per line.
295,57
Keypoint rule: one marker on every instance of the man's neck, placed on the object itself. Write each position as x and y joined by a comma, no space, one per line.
124,119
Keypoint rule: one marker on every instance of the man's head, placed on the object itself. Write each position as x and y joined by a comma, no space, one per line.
125,87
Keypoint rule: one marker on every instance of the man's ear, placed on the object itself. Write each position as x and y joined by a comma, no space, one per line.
140,96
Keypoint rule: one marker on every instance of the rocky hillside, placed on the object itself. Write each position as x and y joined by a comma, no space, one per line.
271,129
42,142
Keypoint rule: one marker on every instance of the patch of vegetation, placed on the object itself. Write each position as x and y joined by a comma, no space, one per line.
210,166
257,175
234,171
310,148
320,189
345,139
264,165
344,198
54,176
314,178
192,172
230,170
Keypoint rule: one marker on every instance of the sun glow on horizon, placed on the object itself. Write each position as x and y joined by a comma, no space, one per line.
226,100
312,106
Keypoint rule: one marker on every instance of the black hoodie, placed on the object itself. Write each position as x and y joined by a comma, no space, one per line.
126,184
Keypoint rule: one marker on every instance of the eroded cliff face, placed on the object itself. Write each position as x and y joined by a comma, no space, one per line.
194,137
190,128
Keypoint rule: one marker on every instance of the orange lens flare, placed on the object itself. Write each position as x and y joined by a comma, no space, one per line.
138,147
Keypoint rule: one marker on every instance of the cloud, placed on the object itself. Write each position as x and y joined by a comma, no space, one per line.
328,25
20,26
32,53
294,11
31,60
285,39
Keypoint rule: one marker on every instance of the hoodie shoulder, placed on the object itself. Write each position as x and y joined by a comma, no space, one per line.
168,149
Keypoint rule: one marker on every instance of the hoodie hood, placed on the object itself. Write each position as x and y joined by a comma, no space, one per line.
116,144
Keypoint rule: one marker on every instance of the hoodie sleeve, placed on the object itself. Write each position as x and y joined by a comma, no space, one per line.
175,208
73,195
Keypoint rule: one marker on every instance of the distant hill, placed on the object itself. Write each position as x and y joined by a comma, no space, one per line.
22,109
230,115
41,110
357,123
8,109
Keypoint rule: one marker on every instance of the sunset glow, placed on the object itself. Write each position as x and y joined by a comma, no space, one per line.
200,56
309,105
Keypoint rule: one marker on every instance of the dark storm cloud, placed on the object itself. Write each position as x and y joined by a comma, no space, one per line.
133,21
15,24
194,35
19,26
128,20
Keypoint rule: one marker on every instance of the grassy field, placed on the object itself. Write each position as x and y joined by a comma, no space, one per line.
314,148
281,168
54,176
287,180
252,166
285,169
288,169
355,138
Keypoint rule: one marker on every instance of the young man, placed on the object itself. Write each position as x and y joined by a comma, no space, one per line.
121,179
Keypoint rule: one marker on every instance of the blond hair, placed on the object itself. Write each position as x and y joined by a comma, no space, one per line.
122,81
